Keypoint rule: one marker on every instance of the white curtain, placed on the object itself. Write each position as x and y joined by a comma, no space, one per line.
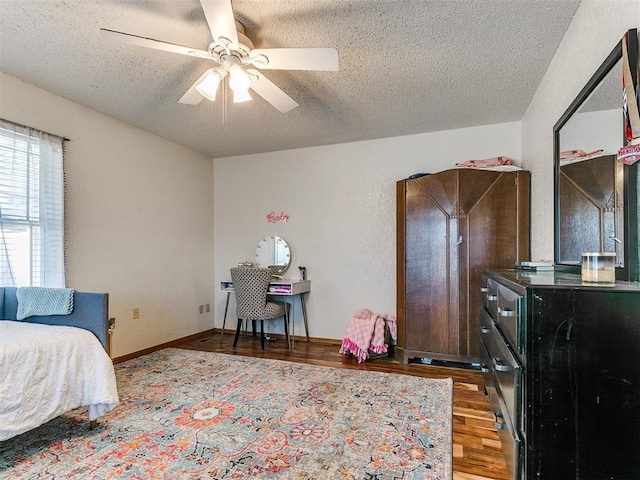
31,207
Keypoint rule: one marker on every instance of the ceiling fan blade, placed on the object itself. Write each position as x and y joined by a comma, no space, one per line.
155,44
222,23
271,93
192,96
325,59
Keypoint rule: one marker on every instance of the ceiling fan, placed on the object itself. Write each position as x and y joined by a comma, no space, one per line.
234,54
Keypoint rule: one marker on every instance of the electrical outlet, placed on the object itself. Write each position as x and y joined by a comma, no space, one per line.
136,313
207,307
201,308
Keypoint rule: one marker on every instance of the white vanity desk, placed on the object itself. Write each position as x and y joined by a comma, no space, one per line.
286,288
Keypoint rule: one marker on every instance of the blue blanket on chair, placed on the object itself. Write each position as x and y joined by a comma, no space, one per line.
43,301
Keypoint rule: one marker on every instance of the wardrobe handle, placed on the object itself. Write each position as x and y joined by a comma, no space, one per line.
485,330
484,289
499,366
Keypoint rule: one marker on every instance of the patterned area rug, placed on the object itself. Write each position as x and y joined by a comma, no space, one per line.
200,415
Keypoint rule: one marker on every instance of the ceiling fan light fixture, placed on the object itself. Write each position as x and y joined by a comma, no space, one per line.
241,96
239,81
208,87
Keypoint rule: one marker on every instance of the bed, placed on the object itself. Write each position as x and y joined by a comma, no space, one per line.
51,364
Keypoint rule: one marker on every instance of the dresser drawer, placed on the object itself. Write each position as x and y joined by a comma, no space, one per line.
509,316
490,291
485,368
500,380
509,438
486,334
507,375
485,323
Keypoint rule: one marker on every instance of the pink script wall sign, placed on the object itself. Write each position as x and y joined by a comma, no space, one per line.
272,217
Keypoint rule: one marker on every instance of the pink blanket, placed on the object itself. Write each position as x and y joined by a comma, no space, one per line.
365,331
578,153
489,162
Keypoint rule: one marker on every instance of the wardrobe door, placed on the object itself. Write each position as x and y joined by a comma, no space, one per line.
591,206
429,202
493,208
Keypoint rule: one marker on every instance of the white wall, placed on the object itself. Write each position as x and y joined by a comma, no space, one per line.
591,131
595,30
139,217
141,210
341,202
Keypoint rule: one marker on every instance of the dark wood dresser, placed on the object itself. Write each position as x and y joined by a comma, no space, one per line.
562,371
451,227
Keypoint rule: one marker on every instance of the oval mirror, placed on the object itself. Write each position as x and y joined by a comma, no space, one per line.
273,252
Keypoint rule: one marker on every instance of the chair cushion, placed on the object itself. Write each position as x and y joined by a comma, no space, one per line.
274,310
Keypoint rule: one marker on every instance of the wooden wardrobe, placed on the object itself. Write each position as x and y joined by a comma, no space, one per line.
451,227
592,208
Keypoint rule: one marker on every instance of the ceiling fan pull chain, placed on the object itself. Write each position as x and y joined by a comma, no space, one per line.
224,101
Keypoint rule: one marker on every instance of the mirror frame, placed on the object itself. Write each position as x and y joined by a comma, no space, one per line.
630,182
278,269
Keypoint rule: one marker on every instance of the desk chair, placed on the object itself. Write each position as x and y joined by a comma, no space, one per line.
251,285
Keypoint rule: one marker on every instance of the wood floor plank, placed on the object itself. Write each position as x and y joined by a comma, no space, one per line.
469,476
477,452
472,413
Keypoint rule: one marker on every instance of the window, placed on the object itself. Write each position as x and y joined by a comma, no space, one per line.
31,207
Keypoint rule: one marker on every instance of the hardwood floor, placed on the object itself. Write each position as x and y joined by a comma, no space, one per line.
477,453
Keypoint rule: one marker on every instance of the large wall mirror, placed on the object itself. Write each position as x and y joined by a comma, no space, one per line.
596,196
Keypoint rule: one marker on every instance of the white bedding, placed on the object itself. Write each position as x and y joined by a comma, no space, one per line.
48,370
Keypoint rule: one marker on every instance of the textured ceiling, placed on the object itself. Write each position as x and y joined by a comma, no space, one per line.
406,66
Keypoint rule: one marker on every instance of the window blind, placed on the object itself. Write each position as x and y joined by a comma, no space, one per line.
31,207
